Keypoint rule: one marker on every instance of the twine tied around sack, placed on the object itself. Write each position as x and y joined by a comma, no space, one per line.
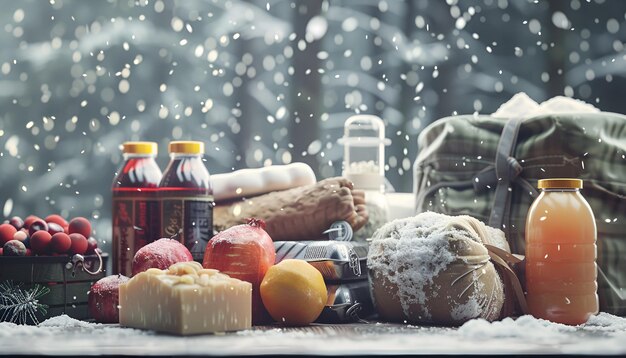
506,261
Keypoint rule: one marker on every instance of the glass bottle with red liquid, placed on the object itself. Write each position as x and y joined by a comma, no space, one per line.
186,198
135,204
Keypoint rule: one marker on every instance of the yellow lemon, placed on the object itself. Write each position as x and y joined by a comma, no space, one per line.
293,292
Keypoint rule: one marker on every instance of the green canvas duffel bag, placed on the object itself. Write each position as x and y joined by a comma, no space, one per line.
488,168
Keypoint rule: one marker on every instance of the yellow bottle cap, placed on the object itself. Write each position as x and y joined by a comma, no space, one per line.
186,147
140,147
560,183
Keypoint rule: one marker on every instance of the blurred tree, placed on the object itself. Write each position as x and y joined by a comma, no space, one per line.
273,81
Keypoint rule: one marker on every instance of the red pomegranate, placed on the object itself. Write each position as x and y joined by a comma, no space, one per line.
244,252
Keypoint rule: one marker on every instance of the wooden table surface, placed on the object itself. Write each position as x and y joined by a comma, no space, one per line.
65,336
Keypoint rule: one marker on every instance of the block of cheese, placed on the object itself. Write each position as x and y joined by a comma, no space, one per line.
186,299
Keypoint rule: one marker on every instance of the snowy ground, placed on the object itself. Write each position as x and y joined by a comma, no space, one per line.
603,334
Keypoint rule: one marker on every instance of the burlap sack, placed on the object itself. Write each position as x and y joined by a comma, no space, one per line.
436,269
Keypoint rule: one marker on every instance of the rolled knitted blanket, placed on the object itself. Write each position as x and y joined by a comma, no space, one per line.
301,213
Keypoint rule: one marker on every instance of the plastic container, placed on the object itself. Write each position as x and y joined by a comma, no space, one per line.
364,152
135,204
364,165
186,198
561,253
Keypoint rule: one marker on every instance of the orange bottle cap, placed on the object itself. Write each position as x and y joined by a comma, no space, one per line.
560,183
140,147
186,147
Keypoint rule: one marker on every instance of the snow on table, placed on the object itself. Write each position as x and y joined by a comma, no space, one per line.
603,334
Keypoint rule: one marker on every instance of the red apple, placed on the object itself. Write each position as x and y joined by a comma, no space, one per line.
17,222
104,299
20,235
37,225
57,219
161,254
78,244
244,252
7,231
14,248
54,228
29,220
60,242
40,242
80,225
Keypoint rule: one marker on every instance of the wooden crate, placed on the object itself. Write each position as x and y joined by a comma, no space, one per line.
68,282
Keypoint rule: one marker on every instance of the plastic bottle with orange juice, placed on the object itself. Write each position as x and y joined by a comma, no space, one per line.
561,253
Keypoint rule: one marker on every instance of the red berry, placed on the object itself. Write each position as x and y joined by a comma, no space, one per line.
20,236
81,226
53,228
40,242
92,245
17,222
60,242
79,244
1,251
6,233
37,225
14,248
29,220
57,219
29,252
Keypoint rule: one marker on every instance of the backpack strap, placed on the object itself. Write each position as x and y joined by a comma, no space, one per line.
507,171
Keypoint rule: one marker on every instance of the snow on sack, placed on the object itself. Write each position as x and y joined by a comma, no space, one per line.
434,269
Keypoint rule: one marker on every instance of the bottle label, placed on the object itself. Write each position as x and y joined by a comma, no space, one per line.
135,224
189,220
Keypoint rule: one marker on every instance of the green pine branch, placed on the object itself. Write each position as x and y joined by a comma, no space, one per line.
18,305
